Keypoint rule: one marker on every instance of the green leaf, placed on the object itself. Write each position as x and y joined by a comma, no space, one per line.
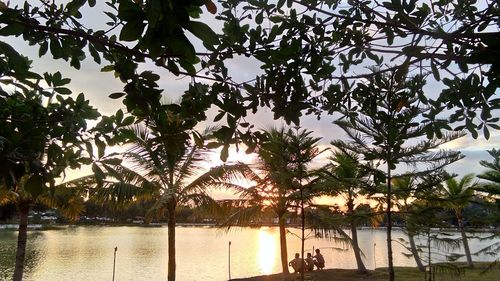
132,30
213,145
224,154
90,148
259,18
119,116
13,29
99,174
74,6
486,133
280,4
63,91
44,47
16,61
55,48
117,95
203,32
34,186
197,139
112,161
413,50
219,116
108,68
101,147
435,71
402,71
129,120
463,66
94,53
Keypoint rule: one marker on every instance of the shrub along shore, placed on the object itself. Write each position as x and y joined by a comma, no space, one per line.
381,274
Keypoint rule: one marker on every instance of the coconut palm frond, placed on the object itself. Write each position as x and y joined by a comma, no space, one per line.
188,167
457,194
128,175
196,200
493,176
158,210
329,227
220,176
145,167
121,194
8,196
203,203
84,182
69,201
241,217
253,193
72,208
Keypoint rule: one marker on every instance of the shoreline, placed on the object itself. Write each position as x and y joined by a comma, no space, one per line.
50,226
381,274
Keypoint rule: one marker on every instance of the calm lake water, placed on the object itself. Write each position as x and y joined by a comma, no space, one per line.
86,253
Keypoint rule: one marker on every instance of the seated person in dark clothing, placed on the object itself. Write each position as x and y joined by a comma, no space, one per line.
309,262
319,261
297,263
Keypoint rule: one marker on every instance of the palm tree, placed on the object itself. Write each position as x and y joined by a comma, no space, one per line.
42,134
404,190
164,165
67,198
281,181
348,179
456,196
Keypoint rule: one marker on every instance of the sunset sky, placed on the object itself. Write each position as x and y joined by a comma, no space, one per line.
97,86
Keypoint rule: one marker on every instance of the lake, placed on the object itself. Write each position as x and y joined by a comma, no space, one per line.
86,252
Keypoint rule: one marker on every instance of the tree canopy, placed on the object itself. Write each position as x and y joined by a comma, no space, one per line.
312,53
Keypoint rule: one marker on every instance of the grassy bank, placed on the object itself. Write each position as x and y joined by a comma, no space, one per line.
380,274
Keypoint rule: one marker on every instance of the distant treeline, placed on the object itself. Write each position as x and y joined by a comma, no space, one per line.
477,215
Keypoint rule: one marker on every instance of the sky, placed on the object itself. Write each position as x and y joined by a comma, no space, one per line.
97,86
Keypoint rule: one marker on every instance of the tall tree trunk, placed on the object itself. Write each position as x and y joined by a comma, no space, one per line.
414,251
171,244
389,224
23,209
283,249
354,237
356,249
461,227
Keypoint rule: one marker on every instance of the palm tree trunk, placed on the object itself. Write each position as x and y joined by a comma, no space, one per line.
414,251
284,254
354,237
171,245
23,209
356,249
461,227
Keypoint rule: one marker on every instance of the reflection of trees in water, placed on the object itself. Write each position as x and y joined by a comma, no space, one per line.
8,243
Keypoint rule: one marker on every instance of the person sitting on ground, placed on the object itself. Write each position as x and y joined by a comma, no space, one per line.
319,261
297,263
309,262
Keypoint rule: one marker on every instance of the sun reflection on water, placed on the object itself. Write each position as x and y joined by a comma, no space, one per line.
267,251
